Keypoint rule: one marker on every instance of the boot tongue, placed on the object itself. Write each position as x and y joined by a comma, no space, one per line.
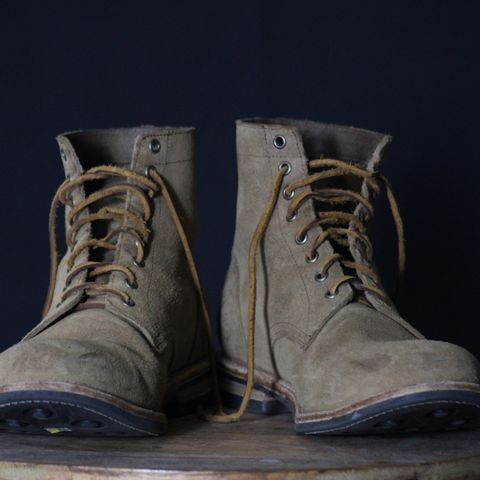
105,147
96,148
350,145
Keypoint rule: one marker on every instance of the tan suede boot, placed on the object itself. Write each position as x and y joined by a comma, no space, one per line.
305,321
123,337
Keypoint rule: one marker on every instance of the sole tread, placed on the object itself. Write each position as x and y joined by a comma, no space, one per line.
70,414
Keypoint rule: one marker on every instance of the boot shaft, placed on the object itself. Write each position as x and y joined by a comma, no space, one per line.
163,287
292,300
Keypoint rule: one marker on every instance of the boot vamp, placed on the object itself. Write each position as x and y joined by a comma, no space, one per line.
93,349
361,353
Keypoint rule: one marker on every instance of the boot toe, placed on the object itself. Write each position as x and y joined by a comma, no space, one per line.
67,383
376,367
116,370
428,361
394,386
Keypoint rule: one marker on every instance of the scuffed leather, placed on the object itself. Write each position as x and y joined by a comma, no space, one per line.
331,352
127,352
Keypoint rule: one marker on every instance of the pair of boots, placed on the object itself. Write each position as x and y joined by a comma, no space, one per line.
306,325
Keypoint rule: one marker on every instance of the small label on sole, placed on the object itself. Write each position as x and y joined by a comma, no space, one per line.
54,430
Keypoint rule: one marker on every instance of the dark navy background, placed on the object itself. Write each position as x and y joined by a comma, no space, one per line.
407,68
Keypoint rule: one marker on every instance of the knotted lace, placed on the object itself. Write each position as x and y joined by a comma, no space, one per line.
338,225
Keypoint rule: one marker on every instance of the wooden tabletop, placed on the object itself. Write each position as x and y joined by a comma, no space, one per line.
257,447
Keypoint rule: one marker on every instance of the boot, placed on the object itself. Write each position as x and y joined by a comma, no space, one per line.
123,338
306,324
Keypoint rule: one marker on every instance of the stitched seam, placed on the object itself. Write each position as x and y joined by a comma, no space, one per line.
168,133
433,402
236,273
168,148
298,269
263,156
158,212
286,330
161,163
256,126
67,404
168,144
188,160
152,252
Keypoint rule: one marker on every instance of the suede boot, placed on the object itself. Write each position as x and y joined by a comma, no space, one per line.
123,339
306,324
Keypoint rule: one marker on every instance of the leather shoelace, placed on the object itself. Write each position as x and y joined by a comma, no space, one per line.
333,227
144,187
141,187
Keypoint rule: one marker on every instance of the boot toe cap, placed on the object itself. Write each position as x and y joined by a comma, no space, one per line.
390,368
398,364
72,364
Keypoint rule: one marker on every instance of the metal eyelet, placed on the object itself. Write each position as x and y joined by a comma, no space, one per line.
286,195
58,305
138,264
284,164
301,241
312,259
129,303
279,141
63,156
133,285
292,218
147,171
330,295
155,146
321,278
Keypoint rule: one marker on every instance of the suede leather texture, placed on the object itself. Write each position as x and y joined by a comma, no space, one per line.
128,352
332,353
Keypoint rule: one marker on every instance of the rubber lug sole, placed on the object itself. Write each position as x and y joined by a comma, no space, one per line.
51,412
431,411
59,413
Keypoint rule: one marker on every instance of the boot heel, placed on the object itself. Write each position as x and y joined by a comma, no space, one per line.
262,401
189,397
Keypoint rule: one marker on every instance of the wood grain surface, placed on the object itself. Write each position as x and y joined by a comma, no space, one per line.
257,447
